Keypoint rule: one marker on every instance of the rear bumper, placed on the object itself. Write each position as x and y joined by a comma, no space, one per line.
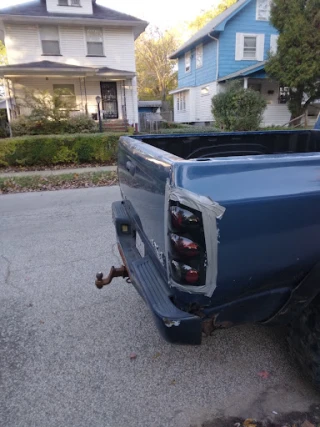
176,326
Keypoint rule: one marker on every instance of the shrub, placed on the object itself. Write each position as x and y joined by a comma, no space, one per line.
48,150
28,126
238,109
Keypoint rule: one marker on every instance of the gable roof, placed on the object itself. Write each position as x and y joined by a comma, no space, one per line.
216,24
38,9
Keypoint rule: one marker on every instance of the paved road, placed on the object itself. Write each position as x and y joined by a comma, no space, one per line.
65,346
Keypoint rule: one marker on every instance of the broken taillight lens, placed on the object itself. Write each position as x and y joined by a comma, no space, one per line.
183,219
184,273
183,246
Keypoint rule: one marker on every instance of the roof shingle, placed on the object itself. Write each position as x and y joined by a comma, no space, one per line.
38,8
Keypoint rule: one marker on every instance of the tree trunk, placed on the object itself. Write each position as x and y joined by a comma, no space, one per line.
295,106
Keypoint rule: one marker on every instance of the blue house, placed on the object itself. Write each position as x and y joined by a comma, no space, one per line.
234,45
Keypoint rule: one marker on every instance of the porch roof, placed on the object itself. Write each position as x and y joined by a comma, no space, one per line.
244,72
45,68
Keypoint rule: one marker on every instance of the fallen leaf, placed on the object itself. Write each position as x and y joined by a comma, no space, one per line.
307,424
133,356
264,374
249,423
173,382
156,356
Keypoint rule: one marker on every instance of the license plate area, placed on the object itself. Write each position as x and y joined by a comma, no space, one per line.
140,245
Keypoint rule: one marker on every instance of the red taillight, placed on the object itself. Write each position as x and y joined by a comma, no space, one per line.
181,218
184,273
192,276
184,246
187,246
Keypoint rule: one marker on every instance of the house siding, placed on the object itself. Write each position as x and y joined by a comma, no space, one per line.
243,22
202,75
198,106
24,45
84,9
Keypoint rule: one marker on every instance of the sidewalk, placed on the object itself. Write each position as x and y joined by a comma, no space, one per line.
58,171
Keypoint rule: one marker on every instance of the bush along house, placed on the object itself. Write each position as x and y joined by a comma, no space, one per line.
234,45
76,47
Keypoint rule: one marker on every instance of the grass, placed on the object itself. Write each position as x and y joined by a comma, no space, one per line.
34,183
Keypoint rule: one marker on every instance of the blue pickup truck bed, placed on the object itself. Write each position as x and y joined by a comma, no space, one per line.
220,229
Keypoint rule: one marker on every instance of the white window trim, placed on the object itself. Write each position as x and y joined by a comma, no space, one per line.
86,42
199,48
185,61
239,49
274,43
257,11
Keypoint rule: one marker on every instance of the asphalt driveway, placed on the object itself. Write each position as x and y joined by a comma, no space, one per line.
65,346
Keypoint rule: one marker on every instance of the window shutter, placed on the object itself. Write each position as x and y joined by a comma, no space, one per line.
239,47
274,43
260,47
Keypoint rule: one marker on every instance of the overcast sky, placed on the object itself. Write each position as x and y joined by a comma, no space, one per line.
164,13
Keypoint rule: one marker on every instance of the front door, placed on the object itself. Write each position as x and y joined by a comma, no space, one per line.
109,100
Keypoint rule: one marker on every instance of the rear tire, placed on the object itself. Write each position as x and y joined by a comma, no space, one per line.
304,340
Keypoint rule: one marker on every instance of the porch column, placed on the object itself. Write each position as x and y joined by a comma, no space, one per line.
8,103
245,83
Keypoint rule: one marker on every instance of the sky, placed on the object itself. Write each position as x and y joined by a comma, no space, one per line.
163,13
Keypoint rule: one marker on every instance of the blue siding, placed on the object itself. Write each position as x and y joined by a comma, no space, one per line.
243,22
199,76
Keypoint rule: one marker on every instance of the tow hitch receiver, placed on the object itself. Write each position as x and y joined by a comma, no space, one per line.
114,272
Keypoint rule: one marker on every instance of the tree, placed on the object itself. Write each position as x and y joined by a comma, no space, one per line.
296,64
238,109
45,105
157,74
206,16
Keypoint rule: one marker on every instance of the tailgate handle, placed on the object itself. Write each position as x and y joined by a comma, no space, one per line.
131,167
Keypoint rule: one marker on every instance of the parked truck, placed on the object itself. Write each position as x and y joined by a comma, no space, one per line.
221,229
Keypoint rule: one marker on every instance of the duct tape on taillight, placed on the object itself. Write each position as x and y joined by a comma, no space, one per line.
211,211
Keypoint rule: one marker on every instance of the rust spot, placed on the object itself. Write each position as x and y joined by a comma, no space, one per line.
209,325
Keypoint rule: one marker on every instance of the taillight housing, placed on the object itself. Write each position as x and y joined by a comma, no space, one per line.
187,248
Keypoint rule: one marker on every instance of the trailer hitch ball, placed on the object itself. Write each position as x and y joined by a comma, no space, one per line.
114,272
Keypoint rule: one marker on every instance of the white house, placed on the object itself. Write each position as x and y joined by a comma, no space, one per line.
76,45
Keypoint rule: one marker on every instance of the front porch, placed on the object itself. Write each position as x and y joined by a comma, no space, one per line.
116,89
254,77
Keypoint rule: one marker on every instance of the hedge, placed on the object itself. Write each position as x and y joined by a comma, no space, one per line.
48,150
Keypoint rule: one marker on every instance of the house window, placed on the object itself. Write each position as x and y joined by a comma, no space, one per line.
205,90
199,56
181,101
249,47
67,94
50,40
263,10
69,3
94,42
187,62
